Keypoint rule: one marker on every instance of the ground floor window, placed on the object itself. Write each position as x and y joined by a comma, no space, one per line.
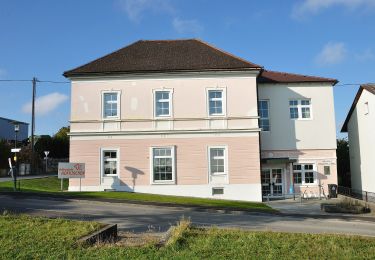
163,167
110,162
217,160
303,174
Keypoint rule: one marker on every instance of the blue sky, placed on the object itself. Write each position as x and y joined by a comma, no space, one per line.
331,38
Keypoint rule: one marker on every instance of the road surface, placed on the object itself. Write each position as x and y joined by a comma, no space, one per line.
140,218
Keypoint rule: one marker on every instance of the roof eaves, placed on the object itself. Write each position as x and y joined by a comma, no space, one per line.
344,128
153,72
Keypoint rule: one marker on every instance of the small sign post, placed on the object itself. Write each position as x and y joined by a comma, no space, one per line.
71,170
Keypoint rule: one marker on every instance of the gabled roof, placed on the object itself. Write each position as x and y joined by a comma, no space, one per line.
268,76
13,121
370,88
163,56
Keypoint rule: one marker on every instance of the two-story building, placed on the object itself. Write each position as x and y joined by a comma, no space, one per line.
182,117
360,126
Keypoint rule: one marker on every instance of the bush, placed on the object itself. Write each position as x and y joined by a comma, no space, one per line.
5,153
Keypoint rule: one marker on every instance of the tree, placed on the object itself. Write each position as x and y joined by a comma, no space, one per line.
60,143
57,145
343,163
4,154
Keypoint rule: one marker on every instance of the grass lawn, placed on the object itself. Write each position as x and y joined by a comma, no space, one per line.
52,185
24,237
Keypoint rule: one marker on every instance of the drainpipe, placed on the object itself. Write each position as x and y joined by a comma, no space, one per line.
260,142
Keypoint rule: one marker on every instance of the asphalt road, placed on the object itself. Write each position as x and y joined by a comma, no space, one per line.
140,218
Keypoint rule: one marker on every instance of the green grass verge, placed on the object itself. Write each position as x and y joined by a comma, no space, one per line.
52,185
24,237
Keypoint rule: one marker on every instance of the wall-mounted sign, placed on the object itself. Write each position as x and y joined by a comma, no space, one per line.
71,170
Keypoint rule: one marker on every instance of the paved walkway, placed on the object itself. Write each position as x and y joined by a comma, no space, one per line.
141,218
309,207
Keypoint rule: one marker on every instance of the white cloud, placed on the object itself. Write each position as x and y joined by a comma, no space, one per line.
136,8
332,53
366,55
311,7
46,104
187,26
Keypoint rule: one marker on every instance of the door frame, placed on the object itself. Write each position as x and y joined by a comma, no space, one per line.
283,177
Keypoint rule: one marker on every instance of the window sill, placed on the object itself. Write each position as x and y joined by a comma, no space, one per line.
111,118
164,183
163,117
306,185
110,175
221,116
301,119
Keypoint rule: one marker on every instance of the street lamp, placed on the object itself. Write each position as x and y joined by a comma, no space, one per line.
16,130
46,158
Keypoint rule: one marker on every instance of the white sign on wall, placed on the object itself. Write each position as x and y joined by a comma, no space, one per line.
71,170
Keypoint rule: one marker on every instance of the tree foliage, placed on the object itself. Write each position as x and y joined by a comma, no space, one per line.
343,163
57,145
4,154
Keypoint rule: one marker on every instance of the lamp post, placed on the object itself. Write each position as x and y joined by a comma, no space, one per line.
15,172
46,158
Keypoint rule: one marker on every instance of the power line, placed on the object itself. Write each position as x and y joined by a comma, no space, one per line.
349,84
54,82
15,80
39,81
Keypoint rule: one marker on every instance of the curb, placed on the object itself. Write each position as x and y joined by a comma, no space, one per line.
105,234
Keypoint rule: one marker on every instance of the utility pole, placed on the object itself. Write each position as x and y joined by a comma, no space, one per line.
33,124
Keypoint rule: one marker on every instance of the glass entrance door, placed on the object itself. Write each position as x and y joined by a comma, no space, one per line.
272,182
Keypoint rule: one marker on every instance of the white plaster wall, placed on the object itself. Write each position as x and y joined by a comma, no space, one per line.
289,134
361,130
245,192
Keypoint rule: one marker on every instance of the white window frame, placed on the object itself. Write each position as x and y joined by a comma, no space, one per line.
302,171
367,108
170,101
223,102
225,157
299,107
118,93
109,149
173,155
268,118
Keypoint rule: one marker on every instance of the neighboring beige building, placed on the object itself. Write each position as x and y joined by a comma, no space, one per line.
184,118
360,126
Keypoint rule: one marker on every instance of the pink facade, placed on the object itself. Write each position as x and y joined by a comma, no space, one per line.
243,159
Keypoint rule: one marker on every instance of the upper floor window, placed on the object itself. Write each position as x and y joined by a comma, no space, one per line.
111,104
163,104
367,108
300,109
263,110
216,102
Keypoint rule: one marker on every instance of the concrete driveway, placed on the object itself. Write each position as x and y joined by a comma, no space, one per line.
140,218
